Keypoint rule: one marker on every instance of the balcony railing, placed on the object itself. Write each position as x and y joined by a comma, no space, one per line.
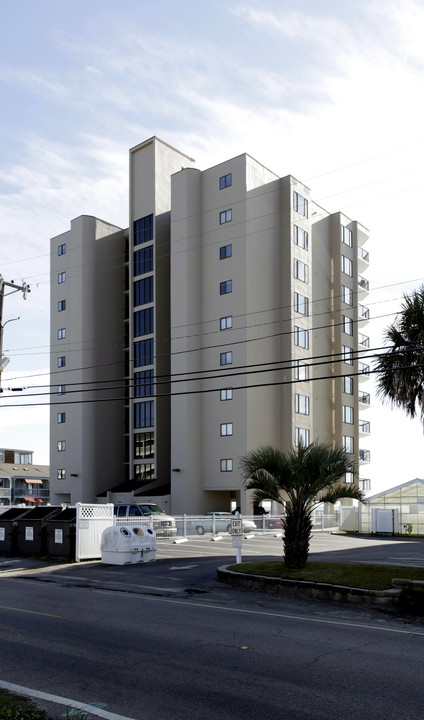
363,254
363,312
363,340
364,427
364,455
26,492
364,369
364,398
363,283
5,492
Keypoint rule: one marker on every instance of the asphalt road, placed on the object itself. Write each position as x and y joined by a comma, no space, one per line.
165,639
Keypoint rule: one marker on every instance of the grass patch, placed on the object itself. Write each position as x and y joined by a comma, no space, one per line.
19,707
16,707
373,577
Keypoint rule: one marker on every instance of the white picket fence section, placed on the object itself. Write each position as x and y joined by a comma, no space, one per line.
91,521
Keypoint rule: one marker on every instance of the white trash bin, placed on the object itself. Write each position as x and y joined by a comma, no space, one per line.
125,545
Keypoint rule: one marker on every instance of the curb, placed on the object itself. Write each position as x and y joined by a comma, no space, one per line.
315,590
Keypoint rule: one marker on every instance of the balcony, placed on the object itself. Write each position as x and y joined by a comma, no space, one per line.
364,456
365,484
364,369
363,340
364,427
363,313
32,493
363,283
364,398
363,254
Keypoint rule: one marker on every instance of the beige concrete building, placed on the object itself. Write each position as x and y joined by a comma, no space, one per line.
230,314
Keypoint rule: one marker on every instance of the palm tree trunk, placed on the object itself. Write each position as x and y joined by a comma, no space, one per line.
297,535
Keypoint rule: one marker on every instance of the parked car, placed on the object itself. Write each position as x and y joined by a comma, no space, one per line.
163,524
269,523
222,523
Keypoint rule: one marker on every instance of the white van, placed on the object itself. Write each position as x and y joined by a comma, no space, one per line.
163,524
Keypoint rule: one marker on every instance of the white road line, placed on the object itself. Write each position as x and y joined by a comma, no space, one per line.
301,618
85,707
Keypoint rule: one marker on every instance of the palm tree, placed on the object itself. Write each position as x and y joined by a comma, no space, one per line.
400,371
302,478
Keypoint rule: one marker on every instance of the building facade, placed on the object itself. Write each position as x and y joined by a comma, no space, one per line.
22,482
230,314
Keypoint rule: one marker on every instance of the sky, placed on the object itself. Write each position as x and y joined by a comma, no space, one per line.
328,91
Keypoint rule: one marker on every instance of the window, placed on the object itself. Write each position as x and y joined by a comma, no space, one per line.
144,414
143,291
61,445
301,304
61,278
143,322
225,216
61,474
301,337
347,354
225,181
302,404
301,270
226,358
347,444
61,361
347,295
61,249
347,385
225,287
61,334
144,471
302,437
301,370
143,230
347,266
347,414
226,429
61,305
143,383
300,237
226,323
226,465
144,445
349,477
346,236
143,352
61,417
61,389
300,204
226,394
347,325
143,260
225,251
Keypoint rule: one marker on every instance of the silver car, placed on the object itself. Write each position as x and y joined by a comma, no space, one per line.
219,522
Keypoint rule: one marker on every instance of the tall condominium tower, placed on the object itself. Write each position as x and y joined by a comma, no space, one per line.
230,314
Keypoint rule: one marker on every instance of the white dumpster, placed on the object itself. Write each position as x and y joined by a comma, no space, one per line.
122,545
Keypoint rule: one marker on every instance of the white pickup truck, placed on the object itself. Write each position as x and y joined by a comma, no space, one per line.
164,525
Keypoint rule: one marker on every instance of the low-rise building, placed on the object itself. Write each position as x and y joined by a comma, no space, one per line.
22,482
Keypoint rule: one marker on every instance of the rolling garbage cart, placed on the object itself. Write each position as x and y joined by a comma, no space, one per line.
9,529
61,534
32,531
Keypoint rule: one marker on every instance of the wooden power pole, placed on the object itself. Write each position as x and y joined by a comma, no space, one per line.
25,289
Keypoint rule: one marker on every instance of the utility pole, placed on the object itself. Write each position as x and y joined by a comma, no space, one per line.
25,289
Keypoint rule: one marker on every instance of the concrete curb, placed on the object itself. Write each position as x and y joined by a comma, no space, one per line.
311,590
